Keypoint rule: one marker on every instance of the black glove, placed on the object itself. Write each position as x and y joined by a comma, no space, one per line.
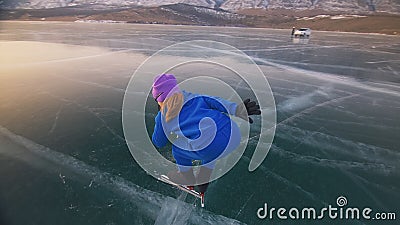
246,109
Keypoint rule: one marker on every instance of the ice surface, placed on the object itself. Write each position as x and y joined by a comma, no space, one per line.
61,92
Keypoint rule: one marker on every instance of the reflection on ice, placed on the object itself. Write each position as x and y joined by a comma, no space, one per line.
300,40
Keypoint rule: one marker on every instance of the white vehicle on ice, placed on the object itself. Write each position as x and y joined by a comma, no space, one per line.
302,32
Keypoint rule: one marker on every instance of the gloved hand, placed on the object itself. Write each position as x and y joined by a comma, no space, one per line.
246,109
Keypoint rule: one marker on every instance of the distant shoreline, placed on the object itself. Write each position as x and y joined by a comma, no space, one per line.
368,23
194,25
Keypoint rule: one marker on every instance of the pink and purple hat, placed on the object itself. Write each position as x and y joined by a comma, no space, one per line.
164,85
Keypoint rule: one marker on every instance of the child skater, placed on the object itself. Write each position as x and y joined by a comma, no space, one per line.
181,118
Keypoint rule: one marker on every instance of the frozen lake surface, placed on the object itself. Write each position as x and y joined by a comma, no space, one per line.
63,158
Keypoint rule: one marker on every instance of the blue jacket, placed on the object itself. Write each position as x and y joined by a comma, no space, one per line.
195,108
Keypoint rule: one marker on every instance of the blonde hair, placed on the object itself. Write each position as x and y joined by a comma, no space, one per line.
172,106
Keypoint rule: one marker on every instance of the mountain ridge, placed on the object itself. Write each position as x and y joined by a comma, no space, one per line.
185,14
356,6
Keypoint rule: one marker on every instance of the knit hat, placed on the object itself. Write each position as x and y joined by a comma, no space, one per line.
164,86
